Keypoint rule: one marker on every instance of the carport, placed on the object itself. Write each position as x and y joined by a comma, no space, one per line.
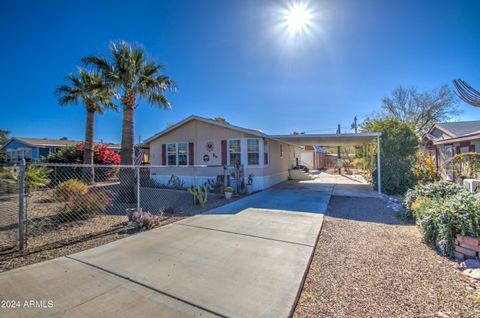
332,140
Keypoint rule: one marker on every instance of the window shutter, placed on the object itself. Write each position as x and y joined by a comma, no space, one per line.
471,148
164,155
190,154
224,152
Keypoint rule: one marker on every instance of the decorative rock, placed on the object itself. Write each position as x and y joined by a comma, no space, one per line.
473,273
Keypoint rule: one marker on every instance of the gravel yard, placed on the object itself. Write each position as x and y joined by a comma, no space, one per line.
47,239
369,264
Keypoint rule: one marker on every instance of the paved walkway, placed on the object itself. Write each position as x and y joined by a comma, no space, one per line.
246,259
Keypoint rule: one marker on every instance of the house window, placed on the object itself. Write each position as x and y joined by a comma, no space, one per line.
234,151
281,150
182,154
253,151
14,155
448,151
266,146
172,154
28,154
177,154
9,156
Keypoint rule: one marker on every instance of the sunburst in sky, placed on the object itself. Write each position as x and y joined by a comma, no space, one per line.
297,18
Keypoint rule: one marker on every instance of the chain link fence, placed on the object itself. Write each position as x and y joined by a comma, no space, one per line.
44,205
9,201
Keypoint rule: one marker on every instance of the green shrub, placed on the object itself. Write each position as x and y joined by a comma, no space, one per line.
439,189
398,146
70,189
83,206
443,217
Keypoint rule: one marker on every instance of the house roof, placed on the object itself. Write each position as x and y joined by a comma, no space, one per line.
250,131
46,142
461,128
304,139
455,130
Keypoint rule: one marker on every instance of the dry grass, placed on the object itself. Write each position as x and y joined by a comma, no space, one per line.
369,264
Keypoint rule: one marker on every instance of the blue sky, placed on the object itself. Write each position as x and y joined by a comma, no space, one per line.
234,59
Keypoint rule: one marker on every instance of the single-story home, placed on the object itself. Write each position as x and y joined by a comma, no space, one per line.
445,140
197,149
32,149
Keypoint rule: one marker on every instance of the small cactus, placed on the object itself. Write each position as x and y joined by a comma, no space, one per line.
200,193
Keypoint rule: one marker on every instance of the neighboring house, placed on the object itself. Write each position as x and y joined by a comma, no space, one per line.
32,149
445,140
313,157
197,149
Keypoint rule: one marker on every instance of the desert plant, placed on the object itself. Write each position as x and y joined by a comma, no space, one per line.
8,179
228,189
432,190
83,206
69,189
397,151
440,219
175,183
143,220
200,194
36,177
467,165
131,75
91,89
425,168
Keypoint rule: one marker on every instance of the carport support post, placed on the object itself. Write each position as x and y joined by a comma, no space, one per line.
379,167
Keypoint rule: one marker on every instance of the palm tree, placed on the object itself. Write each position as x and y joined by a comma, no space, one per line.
90,88
131,75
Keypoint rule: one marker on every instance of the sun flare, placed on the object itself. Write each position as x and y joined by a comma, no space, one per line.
298,17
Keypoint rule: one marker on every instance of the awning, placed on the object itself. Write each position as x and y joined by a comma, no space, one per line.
341,140
330,139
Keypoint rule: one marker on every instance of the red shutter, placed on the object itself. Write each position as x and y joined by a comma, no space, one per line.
190,154
471,148
164,154
224,152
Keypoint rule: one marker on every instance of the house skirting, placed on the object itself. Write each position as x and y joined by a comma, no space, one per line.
259,182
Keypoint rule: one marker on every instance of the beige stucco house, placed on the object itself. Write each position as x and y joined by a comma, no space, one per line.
197,149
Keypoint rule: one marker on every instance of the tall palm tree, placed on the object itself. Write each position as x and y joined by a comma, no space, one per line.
131,75
89,88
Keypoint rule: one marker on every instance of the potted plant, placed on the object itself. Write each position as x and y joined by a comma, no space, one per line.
249,183
228,193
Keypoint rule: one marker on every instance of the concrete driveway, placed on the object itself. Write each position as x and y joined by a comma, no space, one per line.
245,259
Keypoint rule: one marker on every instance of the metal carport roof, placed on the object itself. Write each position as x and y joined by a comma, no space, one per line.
329,139
337,140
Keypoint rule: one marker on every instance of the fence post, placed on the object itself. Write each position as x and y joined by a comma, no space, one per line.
21,206
138,187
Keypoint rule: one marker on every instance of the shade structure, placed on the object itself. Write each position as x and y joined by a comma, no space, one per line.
342,140
330,140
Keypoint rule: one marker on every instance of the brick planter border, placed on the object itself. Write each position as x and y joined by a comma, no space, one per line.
466,247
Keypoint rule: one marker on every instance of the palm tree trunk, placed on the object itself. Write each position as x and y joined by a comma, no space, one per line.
126,154
127,175
88,173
